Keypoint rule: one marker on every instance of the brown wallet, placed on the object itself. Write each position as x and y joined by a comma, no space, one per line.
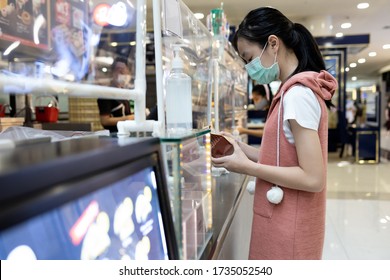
220,146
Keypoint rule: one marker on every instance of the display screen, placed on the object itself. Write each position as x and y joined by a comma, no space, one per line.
120,221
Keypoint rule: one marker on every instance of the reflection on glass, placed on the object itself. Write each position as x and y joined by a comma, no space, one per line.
75,40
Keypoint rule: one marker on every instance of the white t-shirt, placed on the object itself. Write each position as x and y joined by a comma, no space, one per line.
300,104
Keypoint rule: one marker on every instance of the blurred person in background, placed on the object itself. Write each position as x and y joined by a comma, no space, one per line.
111,110
261,98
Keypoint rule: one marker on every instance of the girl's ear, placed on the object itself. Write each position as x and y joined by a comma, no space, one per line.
274,42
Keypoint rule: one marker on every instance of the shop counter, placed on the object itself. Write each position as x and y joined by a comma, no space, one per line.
68,182
68,126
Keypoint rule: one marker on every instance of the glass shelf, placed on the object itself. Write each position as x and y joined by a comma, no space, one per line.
184,136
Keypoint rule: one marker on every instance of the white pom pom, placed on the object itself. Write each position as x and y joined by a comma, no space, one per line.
251,186
275,195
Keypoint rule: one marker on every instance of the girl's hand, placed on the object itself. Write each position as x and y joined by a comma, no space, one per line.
235,162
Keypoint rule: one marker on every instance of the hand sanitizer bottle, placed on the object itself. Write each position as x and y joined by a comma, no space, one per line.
178,97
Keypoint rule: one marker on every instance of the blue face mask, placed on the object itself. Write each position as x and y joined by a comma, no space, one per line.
259,73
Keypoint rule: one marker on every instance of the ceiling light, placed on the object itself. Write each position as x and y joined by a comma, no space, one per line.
362,6
346,69
362,60
354,78
338,35
386,47
199,15
372,54
353,65
346,25
114,44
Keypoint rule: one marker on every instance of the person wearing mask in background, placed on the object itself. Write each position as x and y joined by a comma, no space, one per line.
111,110
290,194
261,97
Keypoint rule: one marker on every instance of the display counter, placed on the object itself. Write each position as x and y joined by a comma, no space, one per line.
68,126
39,178
85,198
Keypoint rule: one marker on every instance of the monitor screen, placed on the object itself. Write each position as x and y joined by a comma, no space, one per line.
120,213
120,221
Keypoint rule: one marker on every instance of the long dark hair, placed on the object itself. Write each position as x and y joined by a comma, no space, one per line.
260,23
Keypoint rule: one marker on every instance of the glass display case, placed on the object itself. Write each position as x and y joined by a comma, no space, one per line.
219,79
219,86
188,171
180,27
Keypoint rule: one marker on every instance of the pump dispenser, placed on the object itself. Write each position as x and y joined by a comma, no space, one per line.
178,97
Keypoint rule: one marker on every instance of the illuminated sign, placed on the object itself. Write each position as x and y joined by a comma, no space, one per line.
115,15
100,14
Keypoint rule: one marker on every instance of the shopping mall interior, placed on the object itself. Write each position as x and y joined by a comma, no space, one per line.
357,210
91,156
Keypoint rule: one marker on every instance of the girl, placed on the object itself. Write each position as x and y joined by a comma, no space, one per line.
289,203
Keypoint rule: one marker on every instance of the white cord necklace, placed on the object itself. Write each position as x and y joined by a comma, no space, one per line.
275,194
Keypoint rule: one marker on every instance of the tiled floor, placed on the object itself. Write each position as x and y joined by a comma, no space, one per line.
358,210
